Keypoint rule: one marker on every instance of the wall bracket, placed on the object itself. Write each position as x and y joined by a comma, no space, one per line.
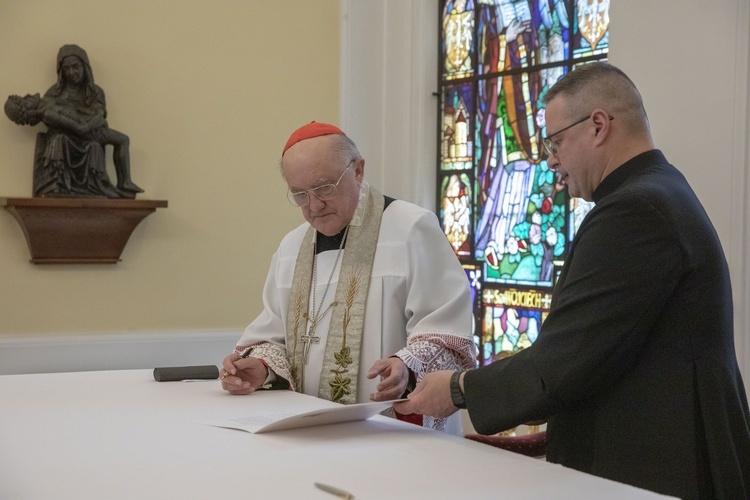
78,230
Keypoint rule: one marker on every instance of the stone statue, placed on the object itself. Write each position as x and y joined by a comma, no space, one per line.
69,159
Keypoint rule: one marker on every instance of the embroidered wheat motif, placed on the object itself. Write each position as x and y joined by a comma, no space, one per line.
341,385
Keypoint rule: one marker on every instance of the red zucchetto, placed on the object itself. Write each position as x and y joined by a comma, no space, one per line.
312,129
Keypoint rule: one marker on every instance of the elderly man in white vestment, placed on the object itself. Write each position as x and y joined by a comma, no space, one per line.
363,299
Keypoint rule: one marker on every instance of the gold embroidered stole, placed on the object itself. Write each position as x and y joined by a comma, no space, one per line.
339,375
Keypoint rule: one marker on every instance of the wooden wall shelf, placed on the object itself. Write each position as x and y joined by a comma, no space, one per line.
78,230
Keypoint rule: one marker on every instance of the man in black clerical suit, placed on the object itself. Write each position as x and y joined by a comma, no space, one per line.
635,367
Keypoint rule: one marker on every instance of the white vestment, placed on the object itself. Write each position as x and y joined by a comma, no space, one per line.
418,306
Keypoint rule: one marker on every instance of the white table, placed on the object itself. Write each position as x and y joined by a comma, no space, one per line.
121,435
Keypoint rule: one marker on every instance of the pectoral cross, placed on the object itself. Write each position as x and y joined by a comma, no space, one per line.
307,339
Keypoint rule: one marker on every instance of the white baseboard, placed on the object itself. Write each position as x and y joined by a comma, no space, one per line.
54,354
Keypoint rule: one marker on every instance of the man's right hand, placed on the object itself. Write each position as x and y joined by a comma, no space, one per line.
242,375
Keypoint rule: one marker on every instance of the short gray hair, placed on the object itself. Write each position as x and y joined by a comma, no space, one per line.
600,85
341,144
344,146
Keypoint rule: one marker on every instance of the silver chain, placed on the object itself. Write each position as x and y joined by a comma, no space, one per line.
316,317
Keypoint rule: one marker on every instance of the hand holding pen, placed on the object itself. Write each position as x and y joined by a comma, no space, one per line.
242,374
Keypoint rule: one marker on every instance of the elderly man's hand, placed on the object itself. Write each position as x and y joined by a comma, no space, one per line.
395,378
242,376
432,397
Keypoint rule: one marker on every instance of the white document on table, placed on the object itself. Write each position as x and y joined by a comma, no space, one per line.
270,422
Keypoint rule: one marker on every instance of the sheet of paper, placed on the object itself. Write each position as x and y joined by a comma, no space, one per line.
270,422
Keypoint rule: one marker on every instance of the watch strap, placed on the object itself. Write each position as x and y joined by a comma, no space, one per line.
457,395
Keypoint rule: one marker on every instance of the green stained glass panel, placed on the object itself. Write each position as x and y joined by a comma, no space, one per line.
511,320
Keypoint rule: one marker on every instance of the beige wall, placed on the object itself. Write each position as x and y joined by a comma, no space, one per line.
208,92
691,62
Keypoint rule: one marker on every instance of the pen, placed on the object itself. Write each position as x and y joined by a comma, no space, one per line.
243,355
334,491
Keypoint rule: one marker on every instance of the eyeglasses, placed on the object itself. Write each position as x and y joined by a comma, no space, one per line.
549,144
323,193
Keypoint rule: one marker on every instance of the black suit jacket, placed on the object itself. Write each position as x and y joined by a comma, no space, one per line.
635,366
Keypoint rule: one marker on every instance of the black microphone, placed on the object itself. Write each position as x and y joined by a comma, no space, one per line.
170,374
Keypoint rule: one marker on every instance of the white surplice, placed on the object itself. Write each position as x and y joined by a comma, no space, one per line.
418,305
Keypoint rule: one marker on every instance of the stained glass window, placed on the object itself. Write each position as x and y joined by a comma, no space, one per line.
503,210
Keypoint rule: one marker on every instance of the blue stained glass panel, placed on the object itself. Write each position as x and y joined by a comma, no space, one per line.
456,128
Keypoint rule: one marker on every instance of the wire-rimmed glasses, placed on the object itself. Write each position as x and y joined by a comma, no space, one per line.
549,144
323,193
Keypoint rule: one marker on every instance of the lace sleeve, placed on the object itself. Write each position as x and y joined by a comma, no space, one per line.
274,356
429,352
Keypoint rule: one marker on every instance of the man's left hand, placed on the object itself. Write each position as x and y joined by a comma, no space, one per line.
395,378
431,397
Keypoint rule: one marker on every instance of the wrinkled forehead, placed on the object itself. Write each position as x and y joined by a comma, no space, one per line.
317,154
306,174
